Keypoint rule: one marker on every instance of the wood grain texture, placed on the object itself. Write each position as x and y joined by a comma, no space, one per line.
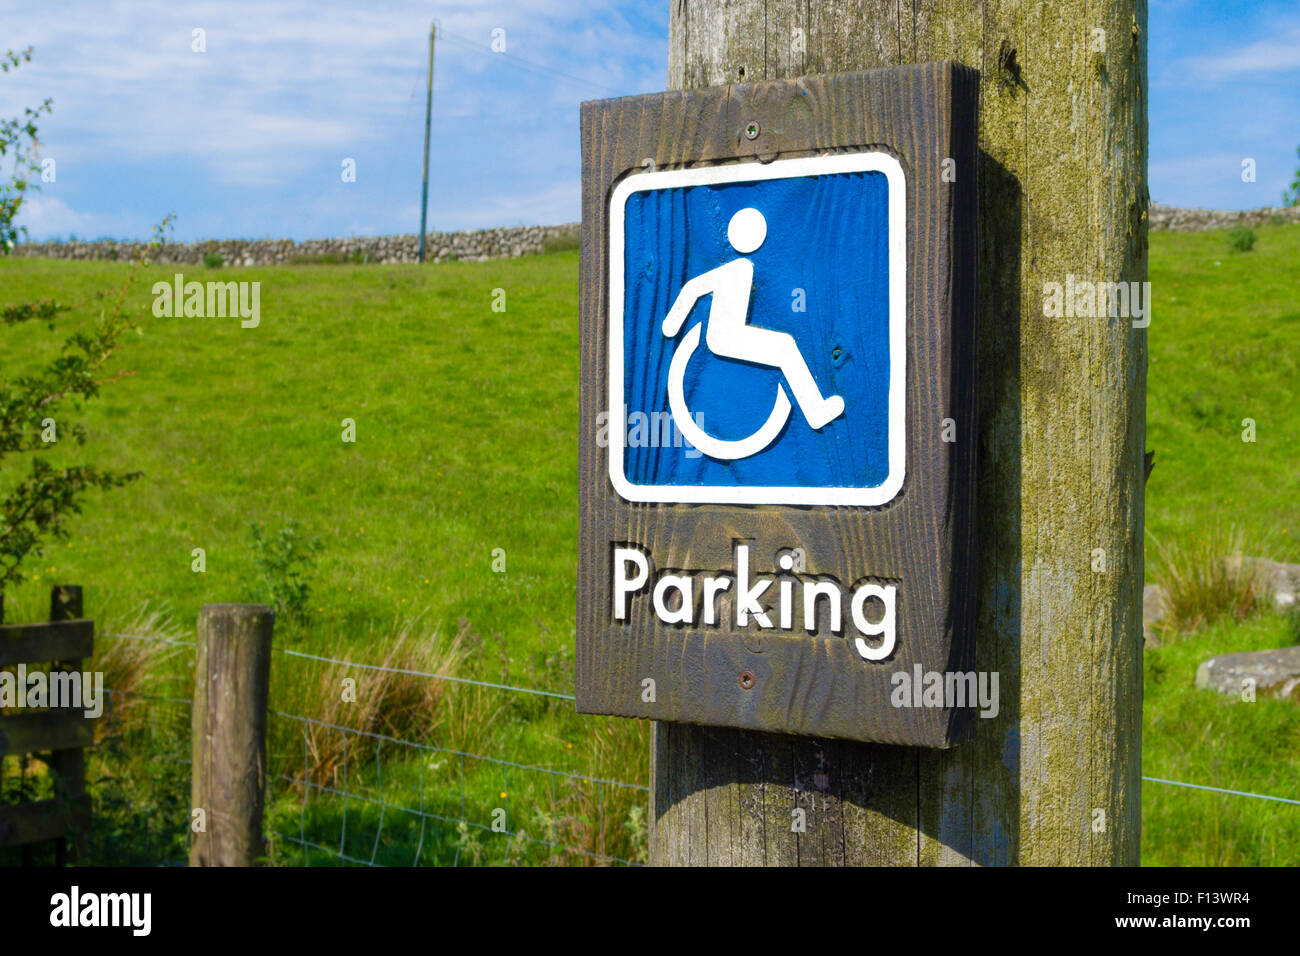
232,675
70,765
1063,151
45,730
31,643
26,823
922,540
59,734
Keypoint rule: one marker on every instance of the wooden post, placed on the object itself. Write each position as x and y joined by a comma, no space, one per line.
1054,778
232,676
65,602
68,765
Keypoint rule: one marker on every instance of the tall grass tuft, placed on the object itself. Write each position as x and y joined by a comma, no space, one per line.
138,771
395,701
1208,578
593,824
138,655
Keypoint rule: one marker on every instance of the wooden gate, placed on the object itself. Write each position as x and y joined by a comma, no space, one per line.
52,738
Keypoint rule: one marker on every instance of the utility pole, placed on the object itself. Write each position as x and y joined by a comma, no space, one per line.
1054,777
428,119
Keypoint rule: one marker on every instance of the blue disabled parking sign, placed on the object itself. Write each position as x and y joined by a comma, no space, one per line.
757,340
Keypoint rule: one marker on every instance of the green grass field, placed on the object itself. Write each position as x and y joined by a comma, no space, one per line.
466,442
1224,347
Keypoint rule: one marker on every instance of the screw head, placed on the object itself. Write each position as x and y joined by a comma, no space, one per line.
746,680
752,129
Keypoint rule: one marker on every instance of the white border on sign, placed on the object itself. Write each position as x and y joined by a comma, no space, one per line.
883,493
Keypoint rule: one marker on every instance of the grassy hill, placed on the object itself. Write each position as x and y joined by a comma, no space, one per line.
465,452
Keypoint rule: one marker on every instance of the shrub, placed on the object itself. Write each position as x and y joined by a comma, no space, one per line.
18,141
213,260
36,407
1241,239
1292,196
285,564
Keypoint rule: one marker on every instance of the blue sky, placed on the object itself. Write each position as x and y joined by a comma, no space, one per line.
248,138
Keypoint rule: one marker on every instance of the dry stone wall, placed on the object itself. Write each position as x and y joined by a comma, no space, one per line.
470,246
502,243
1195,220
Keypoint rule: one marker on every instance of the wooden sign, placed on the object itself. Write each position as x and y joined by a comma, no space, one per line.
777,407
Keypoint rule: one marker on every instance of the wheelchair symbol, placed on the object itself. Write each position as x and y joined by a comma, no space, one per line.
729,335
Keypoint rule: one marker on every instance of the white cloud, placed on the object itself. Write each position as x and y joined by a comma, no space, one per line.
47,217
286,89
1214,181
1199,166
557,203
129,68
1277,54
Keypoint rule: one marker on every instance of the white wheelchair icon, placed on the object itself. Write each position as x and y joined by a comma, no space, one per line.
728,334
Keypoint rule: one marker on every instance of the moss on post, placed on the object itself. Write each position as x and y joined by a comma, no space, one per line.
232,675
1055,777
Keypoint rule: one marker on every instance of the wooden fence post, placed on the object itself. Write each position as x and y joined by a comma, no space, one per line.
232,676
1054,778
69,765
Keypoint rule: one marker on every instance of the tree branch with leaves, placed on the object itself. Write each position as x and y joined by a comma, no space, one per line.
36,502
18,142
1292,196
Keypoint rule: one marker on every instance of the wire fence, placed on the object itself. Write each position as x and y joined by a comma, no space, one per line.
425,816
396,801
1235,793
